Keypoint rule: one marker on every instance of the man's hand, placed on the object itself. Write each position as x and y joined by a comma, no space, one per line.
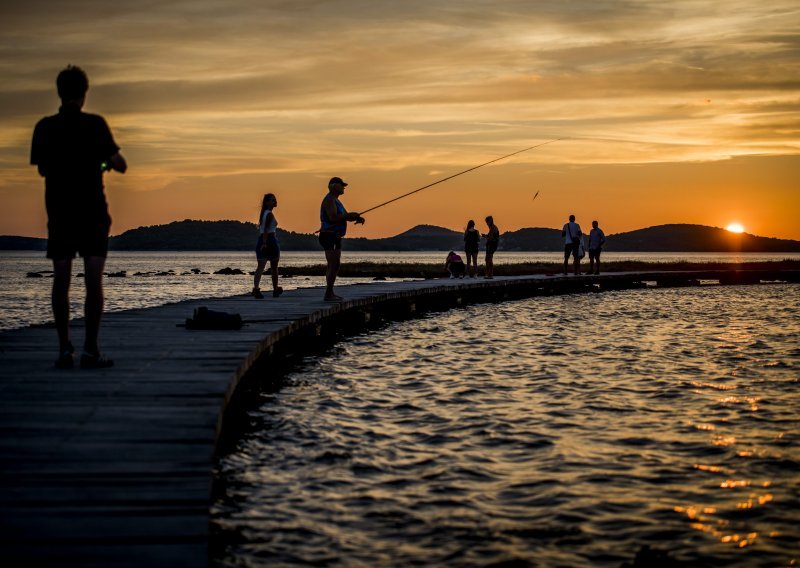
117,163
356,218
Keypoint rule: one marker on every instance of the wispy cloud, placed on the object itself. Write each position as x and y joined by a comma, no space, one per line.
201,88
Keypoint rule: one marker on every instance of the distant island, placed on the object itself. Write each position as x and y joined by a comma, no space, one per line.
192,235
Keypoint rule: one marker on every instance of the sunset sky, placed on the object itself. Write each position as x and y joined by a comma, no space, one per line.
674,112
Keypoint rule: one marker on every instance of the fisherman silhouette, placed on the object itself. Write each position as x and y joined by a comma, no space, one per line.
334,218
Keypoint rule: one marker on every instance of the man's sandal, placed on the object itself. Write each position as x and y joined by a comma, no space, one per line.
66,360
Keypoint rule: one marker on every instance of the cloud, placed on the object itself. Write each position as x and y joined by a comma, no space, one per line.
202,89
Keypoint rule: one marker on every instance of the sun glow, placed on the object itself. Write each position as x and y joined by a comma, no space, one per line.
735,228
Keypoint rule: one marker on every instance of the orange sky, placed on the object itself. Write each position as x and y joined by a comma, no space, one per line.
676,112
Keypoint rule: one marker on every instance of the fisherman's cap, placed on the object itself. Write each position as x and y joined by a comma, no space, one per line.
337,180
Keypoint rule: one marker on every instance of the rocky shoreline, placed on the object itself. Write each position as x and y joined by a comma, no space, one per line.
381,270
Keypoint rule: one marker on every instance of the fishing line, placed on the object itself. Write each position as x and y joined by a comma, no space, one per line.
458,174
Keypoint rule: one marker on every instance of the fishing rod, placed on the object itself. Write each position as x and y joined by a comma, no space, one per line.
458,174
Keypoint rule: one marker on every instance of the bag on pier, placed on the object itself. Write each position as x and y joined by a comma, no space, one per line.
203,318
581,250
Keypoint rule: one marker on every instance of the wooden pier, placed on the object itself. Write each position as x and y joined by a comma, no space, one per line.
113,467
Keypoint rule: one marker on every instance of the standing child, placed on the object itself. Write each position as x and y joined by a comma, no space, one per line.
472,240
492,240
267,247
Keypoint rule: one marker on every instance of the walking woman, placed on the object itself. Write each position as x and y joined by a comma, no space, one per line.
472,238
267,248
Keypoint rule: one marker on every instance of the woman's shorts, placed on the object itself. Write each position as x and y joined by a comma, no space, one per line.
268,249
594,254
330,240
471,249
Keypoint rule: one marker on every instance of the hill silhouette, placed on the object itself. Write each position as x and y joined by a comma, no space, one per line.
205,235
419,238
696,238
10,242
192,235
539,239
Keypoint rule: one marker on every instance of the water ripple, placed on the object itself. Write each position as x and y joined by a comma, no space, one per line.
564,431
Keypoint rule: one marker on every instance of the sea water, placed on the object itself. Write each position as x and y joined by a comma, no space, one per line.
151,279
579,430
157,278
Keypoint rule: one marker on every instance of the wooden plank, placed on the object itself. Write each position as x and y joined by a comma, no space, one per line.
113,467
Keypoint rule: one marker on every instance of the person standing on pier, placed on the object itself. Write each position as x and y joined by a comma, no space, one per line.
334,218
72,150
597,239
572,239
492,240
267,247
472,239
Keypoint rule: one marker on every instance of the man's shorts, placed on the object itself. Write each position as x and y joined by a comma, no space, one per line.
268,249
330,240
594,254
65,238
491,247
571,250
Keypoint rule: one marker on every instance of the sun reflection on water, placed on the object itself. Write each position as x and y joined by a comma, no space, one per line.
472,429
723,440
731,483
703,520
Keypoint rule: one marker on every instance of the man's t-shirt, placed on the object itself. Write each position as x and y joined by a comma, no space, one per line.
572,233
69,148
596,239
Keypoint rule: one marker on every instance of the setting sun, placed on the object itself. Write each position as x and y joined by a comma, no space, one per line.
735,228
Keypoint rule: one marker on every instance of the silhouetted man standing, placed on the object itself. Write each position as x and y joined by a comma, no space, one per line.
72,149
597,238
572,240
334,218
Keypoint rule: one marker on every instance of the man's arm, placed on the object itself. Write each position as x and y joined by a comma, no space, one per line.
335,217
115,161
37,149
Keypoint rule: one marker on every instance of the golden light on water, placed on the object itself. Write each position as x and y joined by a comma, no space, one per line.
719,528
731,483
735,228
